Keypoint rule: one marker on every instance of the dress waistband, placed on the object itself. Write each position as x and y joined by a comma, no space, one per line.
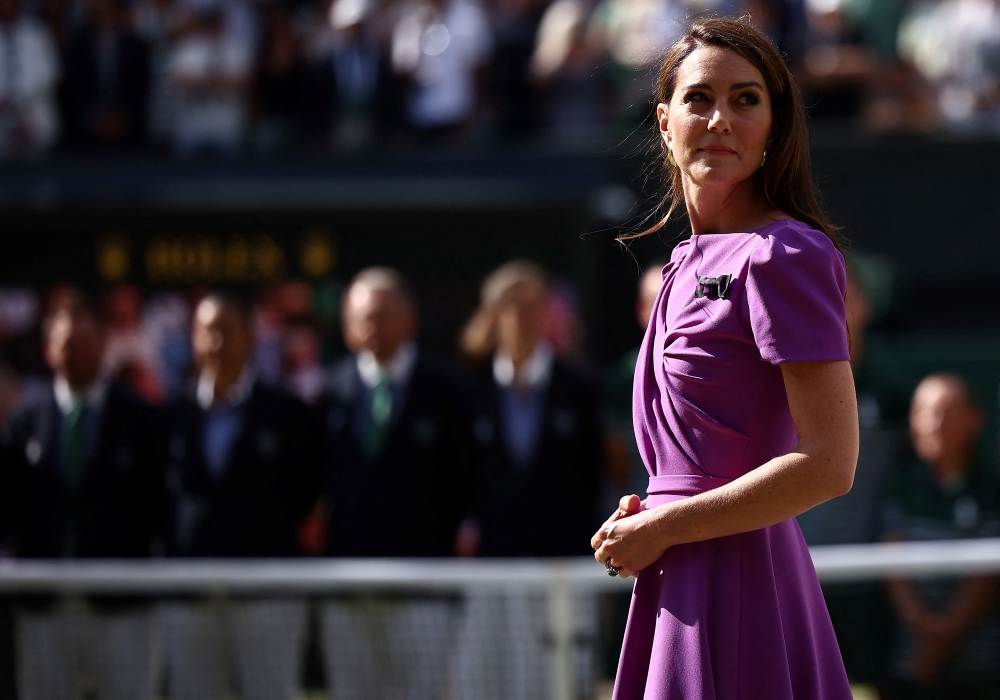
684,484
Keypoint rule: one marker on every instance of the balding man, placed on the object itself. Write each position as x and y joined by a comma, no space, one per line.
398,485
947,641
243,469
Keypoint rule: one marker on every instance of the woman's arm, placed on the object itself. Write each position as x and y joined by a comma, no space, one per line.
824,409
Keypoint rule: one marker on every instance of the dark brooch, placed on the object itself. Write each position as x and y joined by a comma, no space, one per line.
712,286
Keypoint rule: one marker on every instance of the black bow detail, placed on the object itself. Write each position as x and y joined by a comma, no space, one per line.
713,286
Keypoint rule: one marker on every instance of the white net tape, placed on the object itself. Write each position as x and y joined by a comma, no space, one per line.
834,563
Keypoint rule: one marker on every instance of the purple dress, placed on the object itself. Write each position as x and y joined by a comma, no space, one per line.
739,617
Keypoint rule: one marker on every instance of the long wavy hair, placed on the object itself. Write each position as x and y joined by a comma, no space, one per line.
785,181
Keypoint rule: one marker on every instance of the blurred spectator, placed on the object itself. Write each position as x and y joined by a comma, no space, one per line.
166,323
536,422
106,81
279,85
948,637
879,23
564,65
279,306
243,472
130,352
634,34
956,45
211,72
61,18
157,23
441,47
538,438
240,19
29,73
19,310
626,469
353,92
301,365
563,327
395,431
82,478
779,20
516,98
836,67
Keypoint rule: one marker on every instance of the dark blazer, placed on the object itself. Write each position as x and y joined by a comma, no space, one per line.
270,483
409,501
120,508
548,508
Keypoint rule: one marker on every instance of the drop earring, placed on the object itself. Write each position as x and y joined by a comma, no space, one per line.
670,156
763,160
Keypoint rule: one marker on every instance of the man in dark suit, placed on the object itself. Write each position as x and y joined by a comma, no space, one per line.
398,485
83,479
243,473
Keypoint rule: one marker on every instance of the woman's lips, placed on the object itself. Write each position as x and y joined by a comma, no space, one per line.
718,151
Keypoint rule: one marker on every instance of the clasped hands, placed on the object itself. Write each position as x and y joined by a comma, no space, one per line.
628,539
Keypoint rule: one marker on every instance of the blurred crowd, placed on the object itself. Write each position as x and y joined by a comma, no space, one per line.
207,426
310,420
230,77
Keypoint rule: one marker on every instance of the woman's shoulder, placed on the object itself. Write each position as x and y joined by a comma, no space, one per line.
793,241
795,234
679,251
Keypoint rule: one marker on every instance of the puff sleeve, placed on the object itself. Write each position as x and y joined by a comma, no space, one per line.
795,297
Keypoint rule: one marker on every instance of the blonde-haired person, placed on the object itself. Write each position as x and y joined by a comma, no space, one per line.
744,404
537,447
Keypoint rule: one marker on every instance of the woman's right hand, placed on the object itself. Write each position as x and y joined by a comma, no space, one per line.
628,506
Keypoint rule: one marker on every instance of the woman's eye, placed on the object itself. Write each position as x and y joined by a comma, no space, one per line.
748,98
695,97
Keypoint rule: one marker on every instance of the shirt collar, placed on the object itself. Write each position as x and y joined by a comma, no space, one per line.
67,399
236,395
533,374
398,369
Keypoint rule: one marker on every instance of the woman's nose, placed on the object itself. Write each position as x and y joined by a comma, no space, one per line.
719,122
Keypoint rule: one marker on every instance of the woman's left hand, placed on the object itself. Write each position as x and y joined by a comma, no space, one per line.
632,543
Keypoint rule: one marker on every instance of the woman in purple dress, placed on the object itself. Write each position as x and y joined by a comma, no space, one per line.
744,404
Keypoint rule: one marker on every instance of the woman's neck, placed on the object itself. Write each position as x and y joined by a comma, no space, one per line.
725,209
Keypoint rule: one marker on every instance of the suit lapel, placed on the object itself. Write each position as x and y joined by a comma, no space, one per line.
42,449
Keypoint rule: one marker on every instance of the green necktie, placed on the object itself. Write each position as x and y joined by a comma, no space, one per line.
74,447
74,454
379,413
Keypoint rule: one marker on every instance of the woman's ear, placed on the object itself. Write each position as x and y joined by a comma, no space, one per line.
663,122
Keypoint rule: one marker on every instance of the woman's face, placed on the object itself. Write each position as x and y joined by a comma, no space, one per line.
718,122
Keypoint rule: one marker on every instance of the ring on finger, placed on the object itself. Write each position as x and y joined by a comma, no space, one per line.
612,570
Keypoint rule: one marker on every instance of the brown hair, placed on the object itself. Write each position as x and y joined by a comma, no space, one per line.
785,180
